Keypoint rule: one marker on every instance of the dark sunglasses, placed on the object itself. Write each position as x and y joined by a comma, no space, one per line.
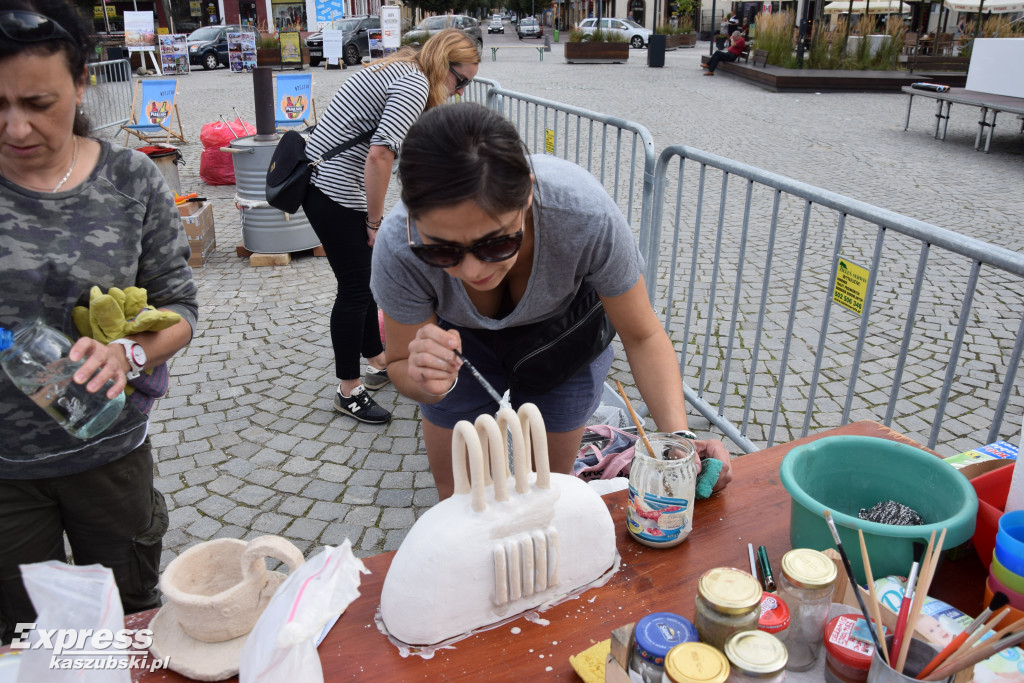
460,80
490,250
30,27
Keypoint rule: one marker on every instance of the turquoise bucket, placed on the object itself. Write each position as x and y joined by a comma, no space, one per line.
844,474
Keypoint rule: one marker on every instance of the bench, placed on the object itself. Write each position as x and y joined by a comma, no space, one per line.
744,55
760,57
919,62
538,48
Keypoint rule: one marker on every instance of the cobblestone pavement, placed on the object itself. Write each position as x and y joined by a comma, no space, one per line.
247,440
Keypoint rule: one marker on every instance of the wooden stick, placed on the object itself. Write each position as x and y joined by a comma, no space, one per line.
920,594
911,626
978,654
636,420
875,610
979,634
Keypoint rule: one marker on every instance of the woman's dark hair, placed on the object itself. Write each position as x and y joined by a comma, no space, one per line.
459,152
76,51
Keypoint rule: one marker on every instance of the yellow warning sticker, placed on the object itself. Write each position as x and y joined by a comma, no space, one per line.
851,286
549,141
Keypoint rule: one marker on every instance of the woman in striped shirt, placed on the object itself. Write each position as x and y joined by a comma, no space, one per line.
345,202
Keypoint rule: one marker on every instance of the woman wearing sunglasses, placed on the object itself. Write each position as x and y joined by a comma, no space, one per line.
491,248
78,213
345,202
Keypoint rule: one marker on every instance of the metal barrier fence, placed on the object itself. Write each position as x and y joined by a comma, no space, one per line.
774,270
618,152
108,97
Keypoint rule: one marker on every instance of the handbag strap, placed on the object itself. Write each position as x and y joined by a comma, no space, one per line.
335,151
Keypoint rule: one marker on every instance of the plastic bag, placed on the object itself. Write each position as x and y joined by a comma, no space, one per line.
611,459
75,602
282,644
215,166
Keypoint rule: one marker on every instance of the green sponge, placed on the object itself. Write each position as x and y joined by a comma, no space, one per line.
709,471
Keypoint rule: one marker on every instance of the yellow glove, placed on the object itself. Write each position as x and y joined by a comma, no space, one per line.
119,313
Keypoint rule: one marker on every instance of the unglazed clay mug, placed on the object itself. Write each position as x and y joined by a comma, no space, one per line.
217,588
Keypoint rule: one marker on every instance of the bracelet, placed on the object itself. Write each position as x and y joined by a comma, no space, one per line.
686,434
373,225
445,393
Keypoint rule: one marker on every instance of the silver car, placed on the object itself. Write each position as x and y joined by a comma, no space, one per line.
432,25
636,35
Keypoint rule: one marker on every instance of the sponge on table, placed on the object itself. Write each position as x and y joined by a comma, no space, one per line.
589,664
708,477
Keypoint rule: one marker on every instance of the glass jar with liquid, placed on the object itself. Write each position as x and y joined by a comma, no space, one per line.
662,487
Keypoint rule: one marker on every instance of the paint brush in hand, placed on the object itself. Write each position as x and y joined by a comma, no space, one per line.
908,597
999,600
483,382
853,582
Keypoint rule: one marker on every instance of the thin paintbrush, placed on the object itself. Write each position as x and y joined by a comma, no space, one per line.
849,573
999,600
978,654
875,611
908,597
928,566
636,421
483,382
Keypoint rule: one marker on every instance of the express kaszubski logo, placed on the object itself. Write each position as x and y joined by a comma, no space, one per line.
86,648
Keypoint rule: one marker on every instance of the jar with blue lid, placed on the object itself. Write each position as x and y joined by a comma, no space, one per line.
653,636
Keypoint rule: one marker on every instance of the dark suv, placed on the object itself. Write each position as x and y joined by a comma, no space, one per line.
355,36
208,45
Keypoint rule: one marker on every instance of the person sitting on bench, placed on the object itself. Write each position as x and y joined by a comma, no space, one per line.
736,45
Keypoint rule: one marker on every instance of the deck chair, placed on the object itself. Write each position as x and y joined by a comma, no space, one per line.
152,124
294,101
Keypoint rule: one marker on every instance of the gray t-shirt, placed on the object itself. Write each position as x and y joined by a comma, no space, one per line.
579,234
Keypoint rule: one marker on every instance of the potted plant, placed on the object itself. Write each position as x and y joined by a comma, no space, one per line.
268,50
678,33
600,47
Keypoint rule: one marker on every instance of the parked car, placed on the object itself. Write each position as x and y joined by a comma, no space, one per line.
355,36
208,46
636,35
432,25
529,28
496,25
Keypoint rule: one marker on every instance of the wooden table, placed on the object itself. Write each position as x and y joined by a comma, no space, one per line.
754,509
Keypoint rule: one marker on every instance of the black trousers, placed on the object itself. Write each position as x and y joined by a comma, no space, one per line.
112,516
720,56
354,329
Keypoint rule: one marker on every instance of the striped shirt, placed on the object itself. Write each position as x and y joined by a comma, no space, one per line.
386,100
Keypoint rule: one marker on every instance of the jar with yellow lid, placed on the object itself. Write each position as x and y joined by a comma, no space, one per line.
695,663
728,600
755,657
806,583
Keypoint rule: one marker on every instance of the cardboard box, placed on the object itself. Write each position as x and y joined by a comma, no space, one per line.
189,208
1000,450
199,231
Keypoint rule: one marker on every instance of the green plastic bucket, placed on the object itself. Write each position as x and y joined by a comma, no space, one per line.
847,473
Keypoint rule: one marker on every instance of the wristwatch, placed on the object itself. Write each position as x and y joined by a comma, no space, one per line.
136,356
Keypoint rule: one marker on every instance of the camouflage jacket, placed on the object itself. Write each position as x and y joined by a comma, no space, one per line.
118,228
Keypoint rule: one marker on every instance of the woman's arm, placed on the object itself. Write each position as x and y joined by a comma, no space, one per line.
421,360
655,369
376,175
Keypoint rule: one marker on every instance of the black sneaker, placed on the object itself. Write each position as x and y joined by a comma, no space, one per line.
360,406
374,379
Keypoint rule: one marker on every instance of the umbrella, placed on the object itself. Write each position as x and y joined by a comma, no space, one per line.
869,6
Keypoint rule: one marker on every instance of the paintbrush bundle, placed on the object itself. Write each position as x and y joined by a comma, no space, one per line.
494,550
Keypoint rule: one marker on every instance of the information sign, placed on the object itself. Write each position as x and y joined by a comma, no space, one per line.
851,286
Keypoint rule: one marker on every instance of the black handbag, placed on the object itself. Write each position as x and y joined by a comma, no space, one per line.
540,356
290,169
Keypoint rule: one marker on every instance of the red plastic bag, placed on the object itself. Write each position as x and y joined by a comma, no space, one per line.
215,166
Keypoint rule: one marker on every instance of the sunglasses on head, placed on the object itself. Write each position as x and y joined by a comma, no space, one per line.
490,249
460,80
30,27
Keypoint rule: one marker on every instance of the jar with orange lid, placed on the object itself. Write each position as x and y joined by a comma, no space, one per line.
847,658
728,600
695,663
806,584
755,657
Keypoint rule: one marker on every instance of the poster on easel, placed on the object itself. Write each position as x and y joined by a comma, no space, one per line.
391,27
242,51
174,53
140,36
291,47
333,45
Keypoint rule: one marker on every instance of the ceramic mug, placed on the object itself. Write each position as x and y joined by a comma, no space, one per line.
218,588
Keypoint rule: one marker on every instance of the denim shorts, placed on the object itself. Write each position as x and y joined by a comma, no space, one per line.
564,408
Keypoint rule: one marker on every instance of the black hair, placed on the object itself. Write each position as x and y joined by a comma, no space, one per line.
464,151
75,53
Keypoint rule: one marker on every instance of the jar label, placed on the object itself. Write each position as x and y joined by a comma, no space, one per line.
657,519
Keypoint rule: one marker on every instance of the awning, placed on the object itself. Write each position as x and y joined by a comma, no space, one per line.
989,6
874,7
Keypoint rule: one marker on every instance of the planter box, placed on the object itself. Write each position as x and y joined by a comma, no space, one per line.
678,40
596,53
